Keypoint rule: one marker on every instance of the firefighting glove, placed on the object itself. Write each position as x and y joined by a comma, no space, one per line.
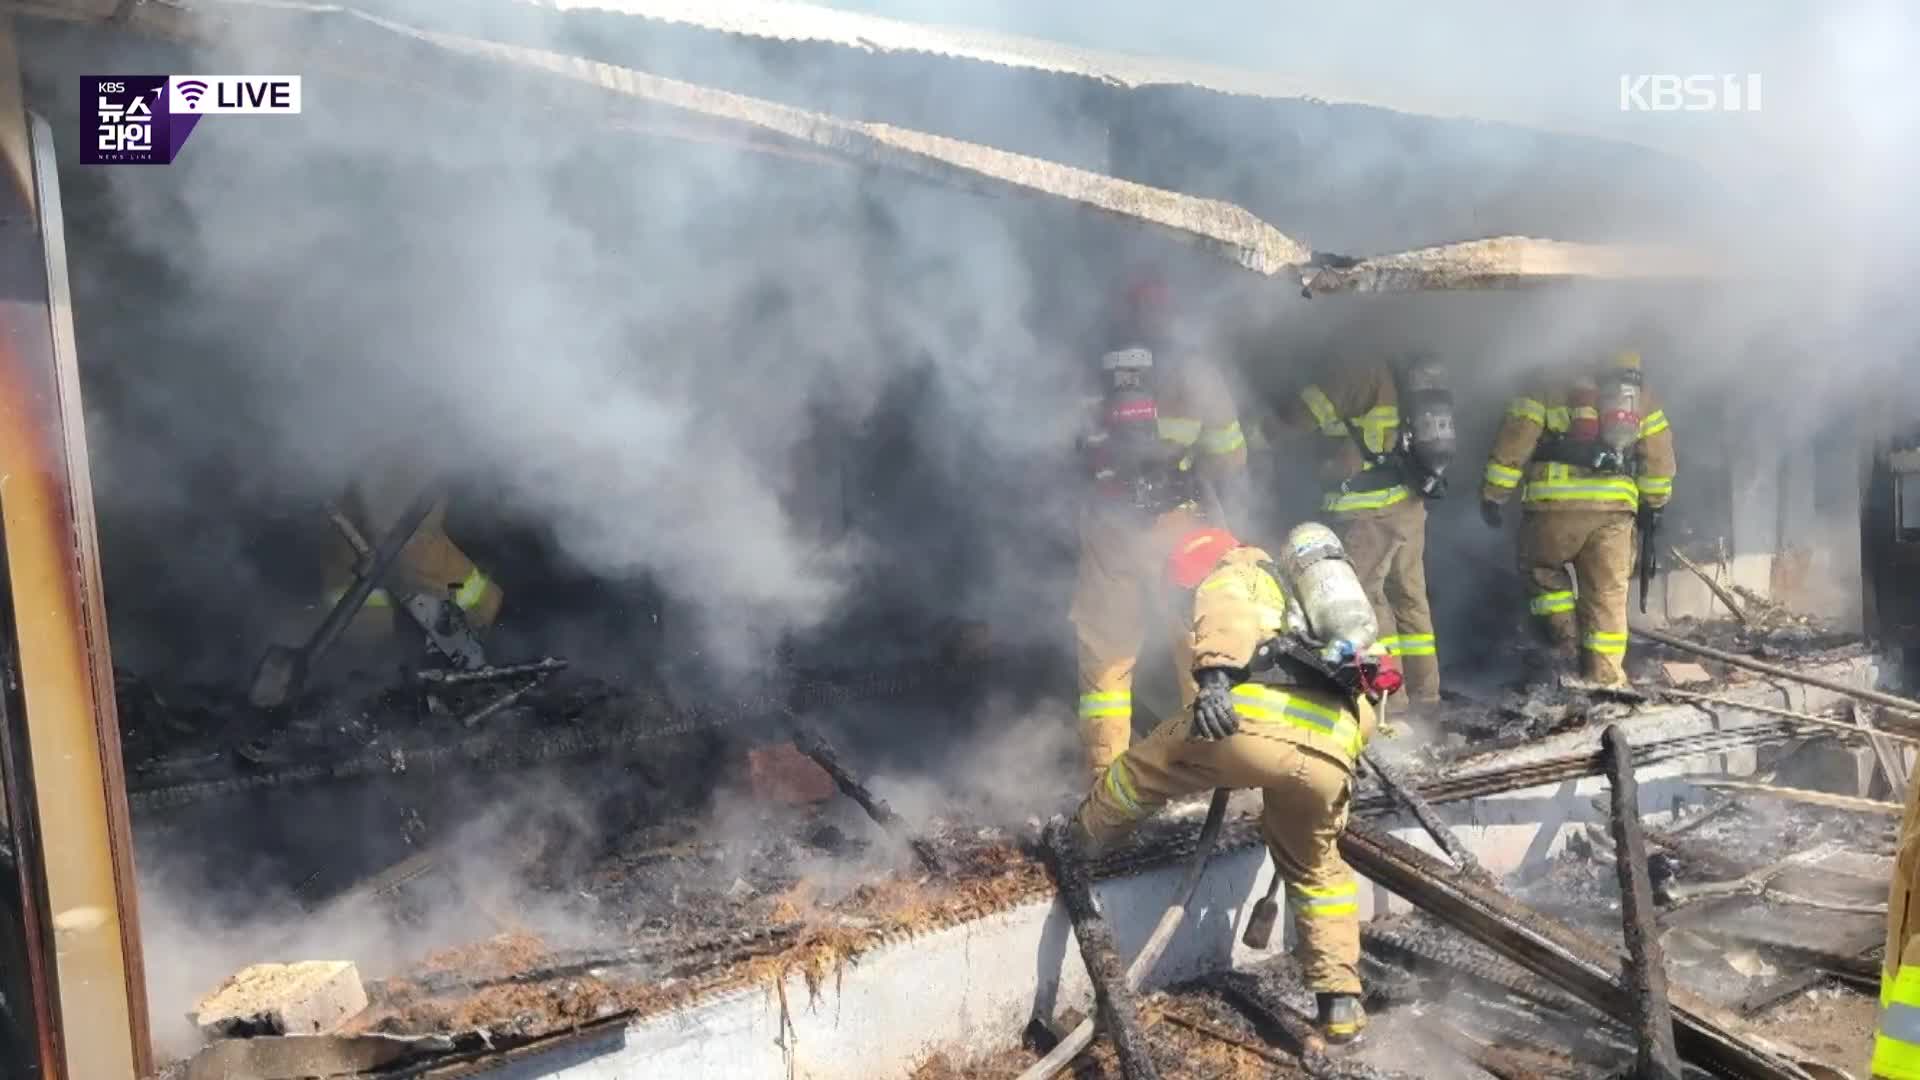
1649,519
1490,512
1213,715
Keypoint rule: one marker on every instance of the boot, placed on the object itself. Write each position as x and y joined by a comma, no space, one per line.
1341,1017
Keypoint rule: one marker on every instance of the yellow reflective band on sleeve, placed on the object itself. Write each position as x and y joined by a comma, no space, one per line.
1119,782
1409,645
1270,705
1558,419
472,590
1502,477
1896,1042
1654,423
1560,486
1338,501
1377,426
1106,703
1553,603
1604,643
1323,411
1528,409
1330,901
1222,440
1583,412
1180,429
1655,485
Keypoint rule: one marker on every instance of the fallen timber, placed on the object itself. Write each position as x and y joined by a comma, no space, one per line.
1876,697
810,742
1510,778
1082,1035
1114,1000
1553,951
1657,1058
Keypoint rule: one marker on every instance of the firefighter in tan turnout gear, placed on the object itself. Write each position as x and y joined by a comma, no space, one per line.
1165,443
1282,654
1379,463
430,563
1896,1042
1593,460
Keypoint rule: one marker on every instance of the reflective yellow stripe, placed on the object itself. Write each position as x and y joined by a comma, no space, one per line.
1119,781
1896,1042
1323,411
1583,412
1222,440
1365,500
1179,429
1606,644
1265,704
1106,703
1330,901
1654,423
1559,486
1502,477
1376,427
376,599
1655,485
1557,419
472,590
1553,603
1527,409
1409,645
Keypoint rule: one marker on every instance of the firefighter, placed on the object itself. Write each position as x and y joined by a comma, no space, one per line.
1896,1042
1166,452
430,563
1593,460
1377,473
1283,705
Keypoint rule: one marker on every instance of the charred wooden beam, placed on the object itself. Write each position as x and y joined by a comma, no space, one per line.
1657,1059
815,745
1892,701
1114,1001
1551,950
1423,813
1063,1053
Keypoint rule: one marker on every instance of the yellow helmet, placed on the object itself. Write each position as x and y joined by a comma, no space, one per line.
1626,360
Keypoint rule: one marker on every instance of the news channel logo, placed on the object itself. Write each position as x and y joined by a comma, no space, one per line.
1690,93
145,119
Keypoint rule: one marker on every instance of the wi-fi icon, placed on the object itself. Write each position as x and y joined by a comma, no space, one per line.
191,89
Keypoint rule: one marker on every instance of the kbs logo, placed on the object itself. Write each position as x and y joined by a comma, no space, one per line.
1690,93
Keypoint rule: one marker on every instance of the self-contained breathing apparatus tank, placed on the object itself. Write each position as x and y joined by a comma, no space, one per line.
1333,606
1427,440
1129,459
1604,413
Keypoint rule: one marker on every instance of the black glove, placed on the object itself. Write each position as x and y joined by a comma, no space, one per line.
1490,512
1213,715
1650,518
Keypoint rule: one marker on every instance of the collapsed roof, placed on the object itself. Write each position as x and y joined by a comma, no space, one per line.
1297,159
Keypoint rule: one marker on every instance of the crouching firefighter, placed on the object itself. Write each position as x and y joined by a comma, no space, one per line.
1595,456
1166,452
1388,438
1285,658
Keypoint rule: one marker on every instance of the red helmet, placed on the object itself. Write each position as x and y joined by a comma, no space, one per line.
1197,553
